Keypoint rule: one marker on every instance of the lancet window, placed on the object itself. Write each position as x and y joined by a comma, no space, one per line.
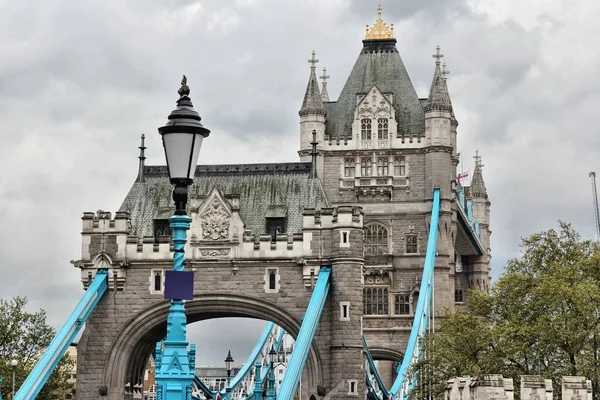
411,244
382,167
399,167
382,128
402,304
349,167
365,129
376,239
376,301
366,167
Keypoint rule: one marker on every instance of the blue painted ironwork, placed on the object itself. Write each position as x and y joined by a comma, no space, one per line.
271,393
403,383
306,335
175,364
258,381
276,346
209,394
373,369
466,207
65,336
0,388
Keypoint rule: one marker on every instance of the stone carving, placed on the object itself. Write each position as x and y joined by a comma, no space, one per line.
215,222
214,252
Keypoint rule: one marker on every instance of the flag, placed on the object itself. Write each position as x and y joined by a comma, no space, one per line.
458,156
462,175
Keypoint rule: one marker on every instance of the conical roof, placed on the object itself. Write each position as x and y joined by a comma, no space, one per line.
313,102
438,98
477,183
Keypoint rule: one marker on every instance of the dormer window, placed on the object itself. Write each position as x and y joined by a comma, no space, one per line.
349,168
382,167
366,167
382,128
365,129
275,226
162,227
399,167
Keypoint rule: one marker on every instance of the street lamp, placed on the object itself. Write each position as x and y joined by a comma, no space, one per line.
271,392
14,364
228,364
182,138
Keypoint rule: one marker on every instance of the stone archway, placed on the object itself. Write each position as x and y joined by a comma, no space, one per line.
125,362
387,360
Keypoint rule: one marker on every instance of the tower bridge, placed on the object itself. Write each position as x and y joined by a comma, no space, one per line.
350,250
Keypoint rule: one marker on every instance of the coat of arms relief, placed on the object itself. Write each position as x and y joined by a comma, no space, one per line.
215,222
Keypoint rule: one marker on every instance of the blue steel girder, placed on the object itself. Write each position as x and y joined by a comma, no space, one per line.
65,336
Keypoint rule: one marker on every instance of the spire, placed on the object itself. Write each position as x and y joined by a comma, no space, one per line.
324,77
477,183
142,157
380,30
445,74
313,163
438,99
313,103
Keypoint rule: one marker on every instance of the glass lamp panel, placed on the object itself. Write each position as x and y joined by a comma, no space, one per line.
177,150
195,154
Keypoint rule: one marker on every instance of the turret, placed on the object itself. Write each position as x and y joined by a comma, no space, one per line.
438,133
312,117
481,203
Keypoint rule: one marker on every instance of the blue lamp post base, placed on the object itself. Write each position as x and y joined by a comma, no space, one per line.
175,364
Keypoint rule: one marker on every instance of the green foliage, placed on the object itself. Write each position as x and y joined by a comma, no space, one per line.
23,337
542,317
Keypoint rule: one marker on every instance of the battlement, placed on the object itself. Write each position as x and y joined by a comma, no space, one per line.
331,218
102,222
489,387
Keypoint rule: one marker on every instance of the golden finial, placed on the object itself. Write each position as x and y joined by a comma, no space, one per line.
380,30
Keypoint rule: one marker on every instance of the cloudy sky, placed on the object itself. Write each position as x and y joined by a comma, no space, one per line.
80,81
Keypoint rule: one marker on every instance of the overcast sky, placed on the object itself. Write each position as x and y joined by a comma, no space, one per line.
80,81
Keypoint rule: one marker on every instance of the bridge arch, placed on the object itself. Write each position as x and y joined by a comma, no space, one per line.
126,359
380,353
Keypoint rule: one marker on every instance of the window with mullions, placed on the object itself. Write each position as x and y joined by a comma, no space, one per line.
366,167
402,304
382,128
162,227
411,245
349,168
376,301
399,167
458,296
365,129
376,239
382,167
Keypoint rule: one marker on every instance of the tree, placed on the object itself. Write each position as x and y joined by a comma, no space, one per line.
542,317
23,337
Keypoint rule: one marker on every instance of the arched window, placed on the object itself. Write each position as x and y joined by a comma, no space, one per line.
382,167
415,301
366,167
365,129
399,167
458,296
411,245
382,128
402,304
376,301
349,167
376,239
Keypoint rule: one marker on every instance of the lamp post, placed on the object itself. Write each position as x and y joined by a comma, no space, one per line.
182,138
14,364
271,392
228,365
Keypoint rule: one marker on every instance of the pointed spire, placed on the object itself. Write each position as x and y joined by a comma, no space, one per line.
142,157
477,183
313,103
438,99
324,77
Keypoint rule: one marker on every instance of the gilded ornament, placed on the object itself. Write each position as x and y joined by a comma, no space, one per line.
380,30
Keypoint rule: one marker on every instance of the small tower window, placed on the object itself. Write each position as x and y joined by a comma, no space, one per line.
366,167
272,279
402,304
382,167
349,168
382,128
411,246
458,296
365,129
399,167
156,281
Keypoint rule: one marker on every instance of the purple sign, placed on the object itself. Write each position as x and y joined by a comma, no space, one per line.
179,285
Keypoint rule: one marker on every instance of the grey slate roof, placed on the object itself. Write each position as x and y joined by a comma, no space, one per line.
379,63
263,189
438,99
313,101
477,183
